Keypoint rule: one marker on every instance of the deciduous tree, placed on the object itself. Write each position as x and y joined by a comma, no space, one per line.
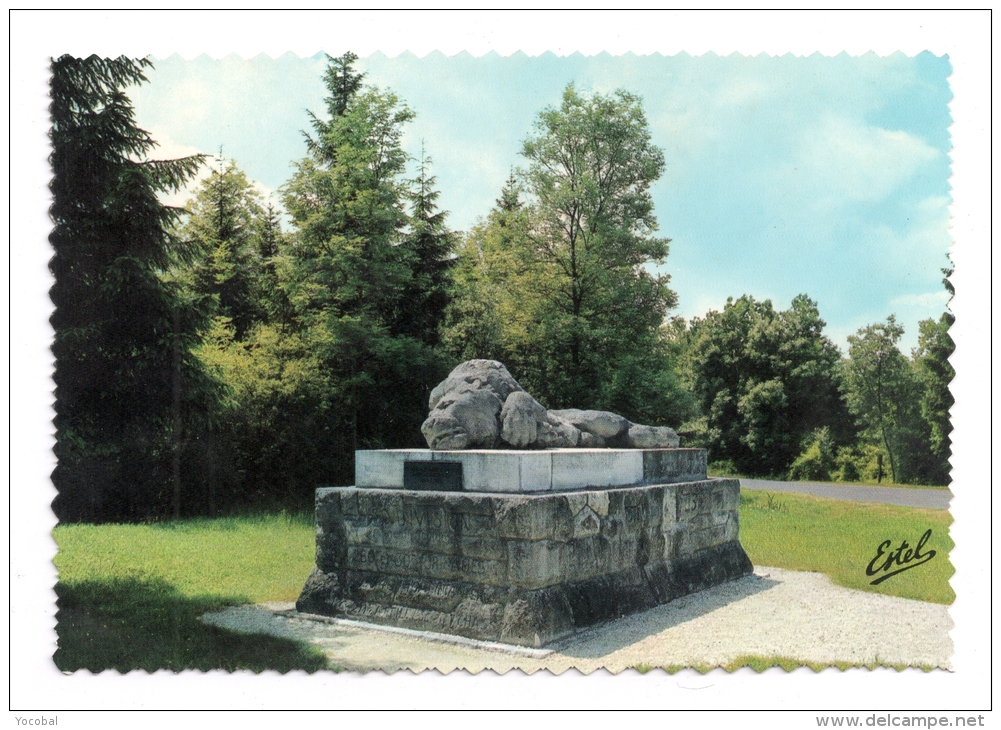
765,381
880,389
591,163
934,373
558,280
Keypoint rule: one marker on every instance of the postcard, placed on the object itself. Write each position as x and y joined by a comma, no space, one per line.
625,366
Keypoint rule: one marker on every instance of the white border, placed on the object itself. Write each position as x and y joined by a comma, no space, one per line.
36,35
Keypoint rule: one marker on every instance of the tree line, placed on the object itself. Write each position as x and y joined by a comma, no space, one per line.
234,353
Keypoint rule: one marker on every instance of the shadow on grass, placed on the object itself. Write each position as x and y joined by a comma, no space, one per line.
134,623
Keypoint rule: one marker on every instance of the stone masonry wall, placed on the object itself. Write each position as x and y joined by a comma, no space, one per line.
524,569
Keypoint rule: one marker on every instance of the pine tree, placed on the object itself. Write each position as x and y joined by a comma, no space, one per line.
128,389
429,251
346,201
226,224
271,243
510,199
344,270
494,307
343,82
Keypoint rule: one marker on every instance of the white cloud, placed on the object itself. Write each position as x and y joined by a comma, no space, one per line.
265,192
927,300
920,245
698,303
929,230
190,101
168,149
843,160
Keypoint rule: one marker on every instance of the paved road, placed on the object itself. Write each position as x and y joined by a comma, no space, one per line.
904,496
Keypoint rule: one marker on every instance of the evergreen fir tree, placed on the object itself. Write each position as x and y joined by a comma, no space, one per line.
347,204
226,225
510,199
343,82
271,242
429,248
129,393
344,270
492,311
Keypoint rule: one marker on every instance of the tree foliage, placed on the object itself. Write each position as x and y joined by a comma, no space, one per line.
881,391
591,163
207,359
493,312
346,201
282,420
765,381
229,228
903,405
428,249
931,361
129,394
363,277
233,277
818,460
558,280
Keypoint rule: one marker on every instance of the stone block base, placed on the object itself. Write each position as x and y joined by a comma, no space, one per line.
514,615
520,569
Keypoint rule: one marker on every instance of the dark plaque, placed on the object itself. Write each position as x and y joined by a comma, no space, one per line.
438,476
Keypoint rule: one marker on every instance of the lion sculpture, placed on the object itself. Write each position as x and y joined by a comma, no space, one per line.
480,405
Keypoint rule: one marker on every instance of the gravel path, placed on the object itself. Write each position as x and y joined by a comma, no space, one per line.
774,612
903,496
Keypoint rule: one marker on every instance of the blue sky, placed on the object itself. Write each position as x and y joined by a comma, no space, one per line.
784,175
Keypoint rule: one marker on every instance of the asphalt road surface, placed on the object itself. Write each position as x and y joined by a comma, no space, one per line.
903,496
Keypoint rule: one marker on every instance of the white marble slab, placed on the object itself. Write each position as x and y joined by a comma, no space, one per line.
491,470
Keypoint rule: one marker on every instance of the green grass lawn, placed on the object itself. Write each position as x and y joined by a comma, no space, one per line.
840,538
129,596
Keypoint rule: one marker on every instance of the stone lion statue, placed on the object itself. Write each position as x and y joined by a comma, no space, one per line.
479,405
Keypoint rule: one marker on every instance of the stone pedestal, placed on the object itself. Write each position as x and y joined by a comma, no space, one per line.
553,554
